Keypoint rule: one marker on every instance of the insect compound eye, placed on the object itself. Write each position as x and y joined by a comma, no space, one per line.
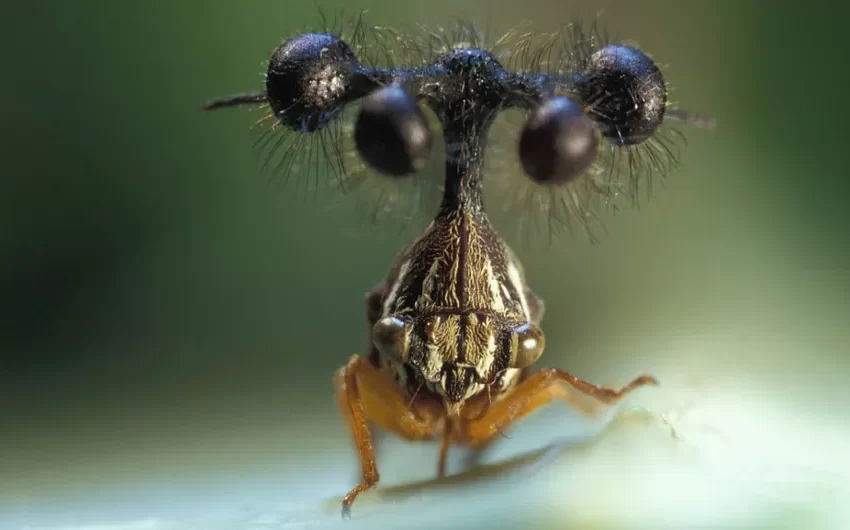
391,337
558,143
392,133
625,92
309,79
527,343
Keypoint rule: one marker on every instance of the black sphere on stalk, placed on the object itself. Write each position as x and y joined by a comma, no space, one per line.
559,142
391,133
615,93
308,80
625,92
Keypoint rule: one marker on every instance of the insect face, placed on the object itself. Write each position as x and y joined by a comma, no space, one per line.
457,355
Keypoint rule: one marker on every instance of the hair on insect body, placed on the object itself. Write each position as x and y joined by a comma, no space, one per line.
626,162
455,328
618,175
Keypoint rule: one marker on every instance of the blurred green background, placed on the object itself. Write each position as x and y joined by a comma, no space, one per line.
164,311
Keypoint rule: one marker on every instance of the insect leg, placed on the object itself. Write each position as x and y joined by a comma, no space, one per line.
445,443
537,391
365,394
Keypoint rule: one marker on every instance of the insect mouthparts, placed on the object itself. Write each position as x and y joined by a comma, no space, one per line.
458,383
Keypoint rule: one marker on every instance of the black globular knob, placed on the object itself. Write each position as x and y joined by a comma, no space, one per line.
625,92
391,133
558,143
309,79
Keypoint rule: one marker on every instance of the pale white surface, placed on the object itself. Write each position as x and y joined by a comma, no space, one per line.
677,457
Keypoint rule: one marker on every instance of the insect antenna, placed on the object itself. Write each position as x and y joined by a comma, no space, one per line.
691,118
244,99
413,397
490,404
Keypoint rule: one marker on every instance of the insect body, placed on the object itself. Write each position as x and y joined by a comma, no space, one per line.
454,327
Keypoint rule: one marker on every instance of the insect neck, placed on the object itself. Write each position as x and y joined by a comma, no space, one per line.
463,190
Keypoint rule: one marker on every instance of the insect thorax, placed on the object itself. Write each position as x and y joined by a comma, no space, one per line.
461,291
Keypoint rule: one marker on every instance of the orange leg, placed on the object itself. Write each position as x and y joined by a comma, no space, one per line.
536,391
366,394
